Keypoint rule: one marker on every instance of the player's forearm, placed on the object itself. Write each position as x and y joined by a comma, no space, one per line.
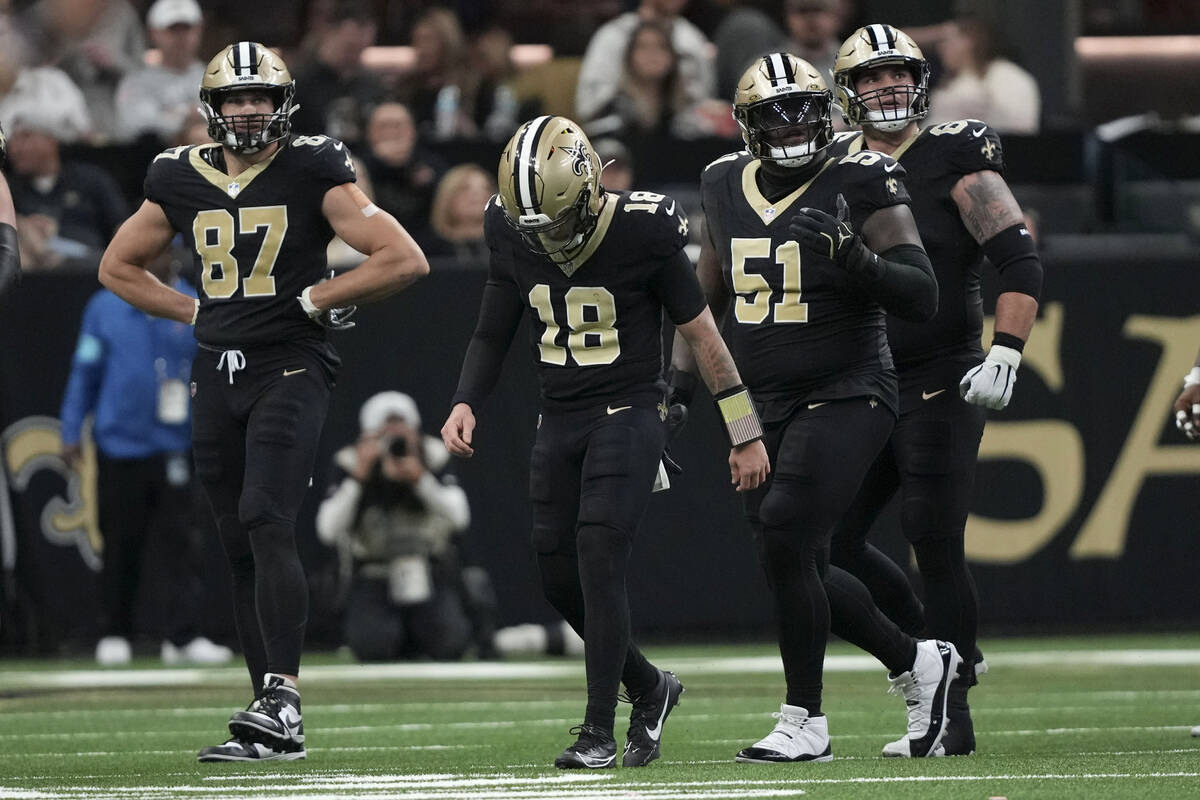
710,355
1015,314
140,289
901,280
10,257
385,272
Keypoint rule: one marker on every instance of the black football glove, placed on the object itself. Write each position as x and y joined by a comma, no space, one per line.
677,414
679,395
831,236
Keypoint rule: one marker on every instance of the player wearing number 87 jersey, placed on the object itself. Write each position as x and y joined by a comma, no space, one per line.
803,253
593,271
258,209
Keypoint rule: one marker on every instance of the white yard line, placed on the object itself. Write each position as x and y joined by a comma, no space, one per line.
14,680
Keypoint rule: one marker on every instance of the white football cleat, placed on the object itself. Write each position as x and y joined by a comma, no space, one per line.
796,737
925,691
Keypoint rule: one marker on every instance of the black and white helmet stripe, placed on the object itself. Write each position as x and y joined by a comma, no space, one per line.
779,70
883,37
245,59
525,166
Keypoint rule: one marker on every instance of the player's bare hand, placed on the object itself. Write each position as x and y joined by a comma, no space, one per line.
748,465
459,430
1187,412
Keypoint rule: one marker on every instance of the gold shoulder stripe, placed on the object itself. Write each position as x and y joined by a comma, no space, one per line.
767,211
230,185
603,223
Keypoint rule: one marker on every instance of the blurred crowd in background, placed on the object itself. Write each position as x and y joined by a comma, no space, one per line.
91,90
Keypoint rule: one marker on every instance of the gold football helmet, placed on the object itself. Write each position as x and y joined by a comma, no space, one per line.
890,108
550,188
784,110
241,66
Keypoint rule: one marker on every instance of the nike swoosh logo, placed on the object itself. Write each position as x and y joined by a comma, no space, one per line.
656,731
930,395
891,166
288,372
612,410
671,209
811,406
979,132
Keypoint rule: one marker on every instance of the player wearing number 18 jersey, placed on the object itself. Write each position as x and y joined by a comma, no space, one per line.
593,272
258,209
805,299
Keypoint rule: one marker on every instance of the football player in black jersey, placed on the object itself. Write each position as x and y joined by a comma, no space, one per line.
964,211
259,208
593,271
805,295
10,256
1187,408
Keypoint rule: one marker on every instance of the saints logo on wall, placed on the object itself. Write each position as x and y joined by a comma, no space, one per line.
64,509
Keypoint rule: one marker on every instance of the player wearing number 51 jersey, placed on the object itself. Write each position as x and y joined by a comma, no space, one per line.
258,208
803,253
593,272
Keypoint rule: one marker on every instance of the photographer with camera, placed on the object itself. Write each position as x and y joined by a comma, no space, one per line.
399,522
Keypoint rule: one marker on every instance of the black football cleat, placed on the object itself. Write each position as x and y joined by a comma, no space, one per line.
238,750
595,749
642,741
273,718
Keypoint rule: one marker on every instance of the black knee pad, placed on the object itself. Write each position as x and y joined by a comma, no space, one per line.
257,507
779,509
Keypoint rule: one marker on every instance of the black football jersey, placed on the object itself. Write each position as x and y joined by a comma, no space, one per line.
596,324
934,160
799,328
259,238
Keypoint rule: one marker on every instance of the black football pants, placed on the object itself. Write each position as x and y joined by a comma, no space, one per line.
255,441
591,474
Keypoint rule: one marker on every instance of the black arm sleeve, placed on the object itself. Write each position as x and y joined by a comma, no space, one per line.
499,316
10,258
1015,257
901,280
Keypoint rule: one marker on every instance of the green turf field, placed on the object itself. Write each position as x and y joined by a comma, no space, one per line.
1092,718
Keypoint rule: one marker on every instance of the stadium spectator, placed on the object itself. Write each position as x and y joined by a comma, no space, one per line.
10,256
490,97
403,174
744,34
433,91
66,210
400,516
599,82
130,373
158,98
457,214
981,84
334,91
651,99
813,27
42,90
96,42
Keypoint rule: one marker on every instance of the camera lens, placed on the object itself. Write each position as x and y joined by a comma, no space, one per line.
398,447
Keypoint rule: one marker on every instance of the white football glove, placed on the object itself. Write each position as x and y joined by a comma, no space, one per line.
991,383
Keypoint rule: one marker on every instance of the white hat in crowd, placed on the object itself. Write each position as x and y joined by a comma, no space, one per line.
380,407
166,13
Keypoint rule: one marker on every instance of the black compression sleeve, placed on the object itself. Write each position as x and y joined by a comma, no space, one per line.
10,258
499,316
1014,254
901,280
